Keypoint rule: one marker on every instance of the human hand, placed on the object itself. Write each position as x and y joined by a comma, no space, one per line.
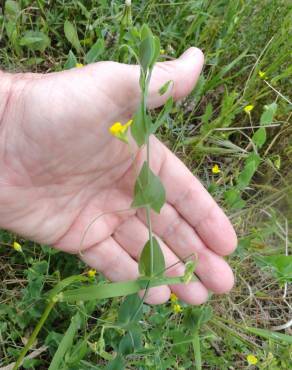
60,169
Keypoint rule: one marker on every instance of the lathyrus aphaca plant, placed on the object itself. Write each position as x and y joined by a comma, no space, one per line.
149,193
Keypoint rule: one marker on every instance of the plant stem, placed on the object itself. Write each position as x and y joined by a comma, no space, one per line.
197,350
34,334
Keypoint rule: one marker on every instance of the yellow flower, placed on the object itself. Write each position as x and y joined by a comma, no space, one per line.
248,108
17,247
79,65
91,273
162,51
262,74
120,131
173,298
252,360
177,308
216,169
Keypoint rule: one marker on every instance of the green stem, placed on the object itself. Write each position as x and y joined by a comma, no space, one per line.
197,350
34,334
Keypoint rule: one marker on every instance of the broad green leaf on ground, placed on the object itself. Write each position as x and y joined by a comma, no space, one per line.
196,316
151,263
149,190
259,138
35,40
131,341
12,9
246,175
130,309
280,264
233,199
71,35
95,51
268,114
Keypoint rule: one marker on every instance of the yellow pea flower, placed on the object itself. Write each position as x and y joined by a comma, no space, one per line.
177,308
248,108
79,65
216,169
173,298
262,74
120,131
91,273
16,246
252,360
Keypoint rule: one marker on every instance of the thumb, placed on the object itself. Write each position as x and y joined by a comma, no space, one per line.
122,80
183,72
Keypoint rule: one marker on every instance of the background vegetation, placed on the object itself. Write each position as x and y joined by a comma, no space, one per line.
253,151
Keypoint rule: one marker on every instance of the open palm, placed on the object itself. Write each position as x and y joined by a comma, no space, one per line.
60,170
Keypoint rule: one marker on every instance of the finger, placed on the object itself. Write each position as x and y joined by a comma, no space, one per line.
212,270
192,201
109,258
96,222
132,236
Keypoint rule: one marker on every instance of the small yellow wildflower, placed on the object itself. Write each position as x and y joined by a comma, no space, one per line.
177,308
162,51
216,169
248,108
91,273
79,65
252,360
262,74
16,246
120,131
173,298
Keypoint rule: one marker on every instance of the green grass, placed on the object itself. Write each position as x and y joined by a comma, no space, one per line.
239,39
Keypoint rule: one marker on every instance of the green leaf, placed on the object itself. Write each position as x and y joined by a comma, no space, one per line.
162,115
233,199
145,32
35,40
95,51
280,264
268,114
71,61
66,342
139,130
71,35
151,264
189,271
117,364
156,51
12,9
195,317
259,138
149,190
131,341
246,175
165,87
130,309
146,52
